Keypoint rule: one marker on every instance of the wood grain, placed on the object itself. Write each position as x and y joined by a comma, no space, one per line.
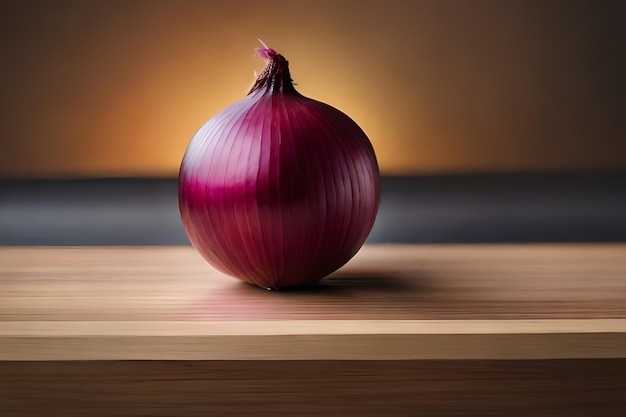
506,330
391,302
382,282
312,388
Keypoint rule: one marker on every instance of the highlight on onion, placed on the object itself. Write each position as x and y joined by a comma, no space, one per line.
278,189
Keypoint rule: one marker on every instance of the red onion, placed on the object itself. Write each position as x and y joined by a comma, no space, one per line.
278,189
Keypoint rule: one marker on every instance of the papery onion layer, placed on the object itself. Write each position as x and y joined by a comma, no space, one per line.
278,189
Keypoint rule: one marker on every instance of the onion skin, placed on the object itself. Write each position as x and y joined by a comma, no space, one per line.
278,189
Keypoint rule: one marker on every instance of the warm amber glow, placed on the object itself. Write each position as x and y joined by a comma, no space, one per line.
118,88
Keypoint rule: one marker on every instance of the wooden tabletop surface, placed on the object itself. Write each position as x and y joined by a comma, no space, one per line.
391,302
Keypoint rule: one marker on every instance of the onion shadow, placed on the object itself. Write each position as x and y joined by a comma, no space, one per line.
344,295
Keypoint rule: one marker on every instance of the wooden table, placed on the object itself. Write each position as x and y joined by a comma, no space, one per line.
399,331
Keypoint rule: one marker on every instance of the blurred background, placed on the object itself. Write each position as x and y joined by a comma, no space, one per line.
493,121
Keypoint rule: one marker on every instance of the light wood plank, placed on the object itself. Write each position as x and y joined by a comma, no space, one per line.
392,302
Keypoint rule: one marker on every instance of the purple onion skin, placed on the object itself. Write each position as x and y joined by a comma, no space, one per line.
278,189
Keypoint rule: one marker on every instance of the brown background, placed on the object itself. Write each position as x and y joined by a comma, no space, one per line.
117,88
